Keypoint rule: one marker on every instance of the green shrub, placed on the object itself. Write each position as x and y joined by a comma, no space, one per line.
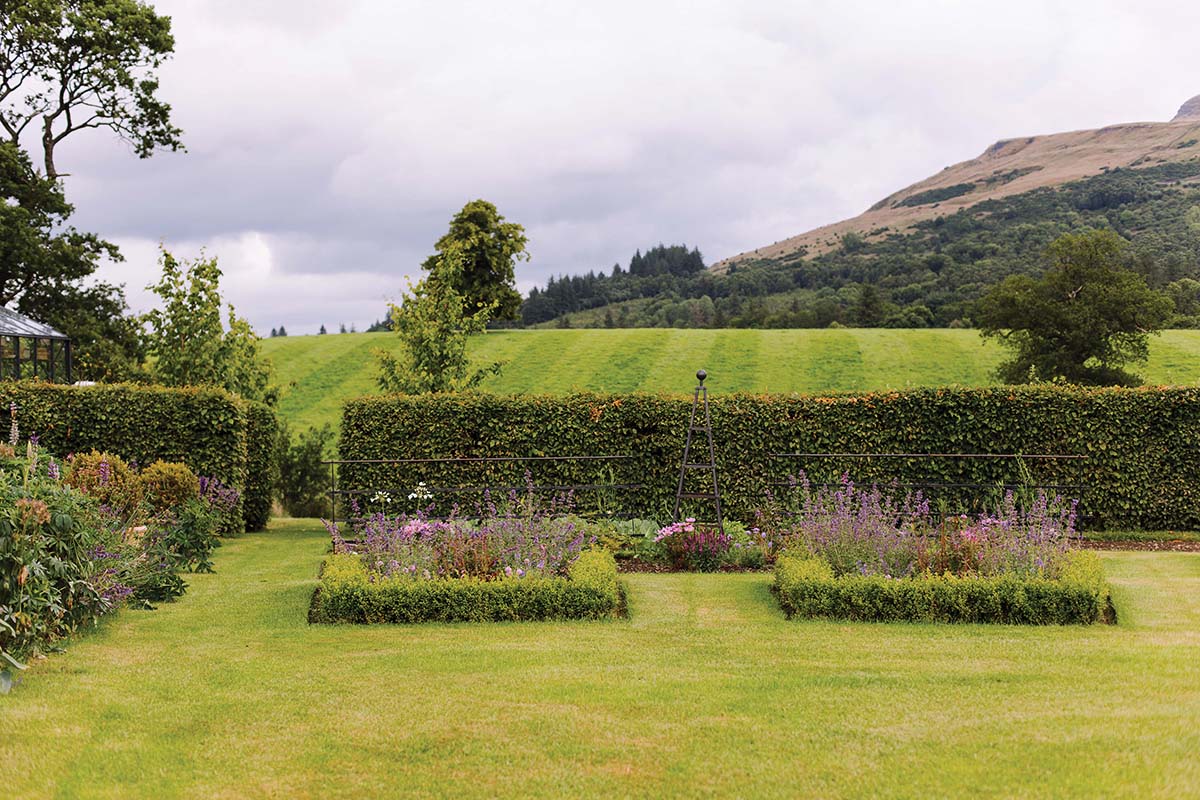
262,468
591,591
1135,474
806,587
303,479
168,484
45,566
191,535
204,428
105,477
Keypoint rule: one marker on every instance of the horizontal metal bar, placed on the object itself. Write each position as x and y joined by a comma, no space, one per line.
948,485
338,520
468,459
434,489
925,455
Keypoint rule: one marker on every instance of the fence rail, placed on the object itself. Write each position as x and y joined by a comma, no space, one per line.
335,493
1056,486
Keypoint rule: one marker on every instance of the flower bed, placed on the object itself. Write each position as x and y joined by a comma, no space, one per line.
807,587
516,561
846,553
349,592
81,538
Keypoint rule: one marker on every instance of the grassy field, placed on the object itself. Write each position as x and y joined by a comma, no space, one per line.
705,691
319,372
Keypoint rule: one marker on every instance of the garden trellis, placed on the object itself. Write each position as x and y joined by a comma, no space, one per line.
31,349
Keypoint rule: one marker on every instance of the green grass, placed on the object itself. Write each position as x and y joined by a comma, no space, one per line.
705,690
318,373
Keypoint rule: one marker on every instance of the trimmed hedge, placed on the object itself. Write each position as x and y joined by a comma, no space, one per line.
201,427
806,587
1142,466
262,429
346,595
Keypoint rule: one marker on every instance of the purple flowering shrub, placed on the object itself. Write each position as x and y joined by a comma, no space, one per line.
515,539
869,532
694,546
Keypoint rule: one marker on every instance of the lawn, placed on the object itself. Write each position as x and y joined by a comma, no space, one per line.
318,373
705,690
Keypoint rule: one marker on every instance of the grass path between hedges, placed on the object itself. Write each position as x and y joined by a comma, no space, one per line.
705,690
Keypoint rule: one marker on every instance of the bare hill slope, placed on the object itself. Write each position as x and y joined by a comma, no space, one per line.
1008,167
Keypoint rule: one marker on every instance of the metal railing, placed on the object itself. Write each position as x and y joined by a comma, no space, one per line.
481,489
983,486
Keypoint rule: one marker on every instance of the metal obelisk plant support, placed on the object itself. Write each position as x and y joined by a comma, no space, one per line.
701,395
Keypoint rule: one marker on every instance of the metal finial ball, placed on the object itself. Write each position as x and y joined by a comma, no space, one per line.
701,375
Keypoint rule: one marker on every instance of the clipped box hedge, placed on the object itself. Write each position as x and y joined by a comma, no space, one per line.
345,594
807,587
211,431
1142,466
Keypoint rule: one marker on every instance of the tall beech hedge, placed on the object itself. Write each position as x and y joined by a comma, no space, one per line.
262,429
208,429
1142,446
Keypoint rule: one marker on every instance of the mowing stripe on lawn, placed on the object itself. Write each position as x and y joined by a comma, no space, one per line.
681,699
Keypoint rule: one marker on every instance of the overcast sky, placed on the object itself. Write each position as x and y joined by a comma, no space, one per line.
330,141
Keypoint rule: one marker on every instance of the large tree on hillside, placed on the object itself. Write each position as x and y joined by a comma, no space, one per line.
487,248
1083,321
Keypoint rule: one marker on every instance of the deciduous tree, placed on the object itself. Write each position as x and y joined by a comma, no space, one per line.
1083,321
72,65
189,341
488,248
435,322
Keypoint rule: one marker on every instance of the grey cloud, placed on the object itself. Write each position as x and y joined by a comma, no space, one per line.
331,142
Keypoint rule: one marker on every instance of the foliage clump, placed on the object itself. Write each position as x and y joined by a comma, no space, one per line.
105,477
166,484
435,321
1083,321
190,342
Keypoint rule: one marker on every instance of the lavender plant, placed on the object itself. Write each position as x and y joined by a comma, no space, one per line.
515,539
870,532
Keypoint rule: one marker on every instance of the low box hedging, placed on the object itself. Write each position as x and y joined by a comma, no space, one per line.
262,429
207,429
807,587
1141,467
346,594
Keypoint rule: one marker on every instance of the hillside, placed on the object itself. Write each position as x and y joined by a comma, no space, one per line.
931,250
1008,167
318,373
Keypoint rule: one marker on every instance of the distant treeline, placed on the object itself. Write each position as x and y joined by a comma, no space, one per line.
930,276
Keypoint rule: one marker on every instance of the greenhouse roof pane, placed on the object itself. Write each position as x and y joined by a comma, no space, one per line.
14,324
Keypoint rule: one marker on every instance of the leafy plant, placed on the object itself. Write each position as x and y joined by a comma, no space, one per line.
304,481
167,484
434,321
189,340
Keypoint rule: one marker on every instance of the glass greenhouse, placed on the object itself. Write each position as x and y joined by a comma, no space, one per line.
29,349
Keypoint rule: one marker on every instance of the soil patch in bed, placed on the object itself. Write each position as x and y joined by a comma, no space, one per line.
1163,545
